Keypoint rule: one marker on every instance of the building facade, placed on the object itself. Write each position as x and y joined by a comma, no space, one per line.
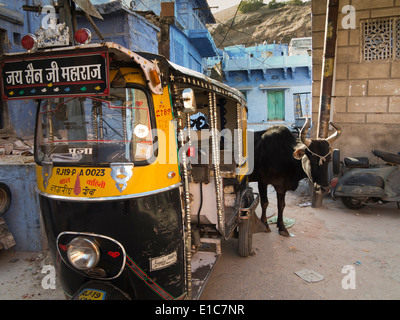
184,38
14,24
17,119
366,94
275,78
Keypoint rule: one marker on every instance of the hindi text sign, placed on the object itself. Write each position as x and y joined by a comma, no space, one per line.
59,76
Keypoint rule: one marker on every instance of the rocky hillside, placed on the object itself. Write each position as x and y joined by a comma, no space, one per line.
281,24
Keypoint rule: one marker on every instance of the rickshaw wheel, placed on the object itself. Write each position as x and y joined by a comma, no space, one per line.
245,235
245,238
5,198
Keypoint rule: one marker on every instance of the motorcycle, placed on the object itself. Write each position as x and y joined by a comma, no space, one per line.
359,183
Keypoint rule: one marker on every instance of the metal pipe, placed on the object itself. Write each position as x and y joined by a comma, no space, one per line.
216,160
186,196
239,133
328,64
94,120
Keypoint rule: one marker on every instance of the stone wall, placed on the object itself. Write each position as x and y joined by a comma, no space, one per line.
366,94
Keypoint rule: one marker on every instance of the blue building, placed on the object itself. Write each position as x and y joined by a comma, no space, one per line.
122,25
17,119
14,24
275,78
186,38
174,29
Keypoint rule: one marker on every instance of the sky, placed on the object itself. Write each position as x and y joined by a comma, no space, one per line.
221,4
224,4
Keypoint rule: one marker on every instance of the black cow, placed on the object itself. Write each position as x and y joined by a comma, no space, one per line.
282,161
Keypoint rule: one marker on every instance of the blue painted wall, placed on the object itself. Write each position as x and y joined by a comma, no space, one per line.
22,219
258,71
183,52
17,23
190,41
123,26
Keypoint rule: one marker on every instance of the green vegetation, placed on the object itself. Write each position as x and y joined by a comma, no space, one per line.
250,5
274,4
296,2
253,5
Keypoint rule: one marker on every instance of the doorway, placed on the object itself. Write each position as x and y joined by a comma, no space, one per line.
276,105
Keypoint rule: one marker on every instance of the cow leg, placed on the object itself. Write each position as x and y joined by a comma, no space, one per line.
281,206
262,188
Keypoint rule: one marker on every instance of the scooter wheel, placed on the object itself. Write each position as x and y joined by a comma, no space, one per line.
352,203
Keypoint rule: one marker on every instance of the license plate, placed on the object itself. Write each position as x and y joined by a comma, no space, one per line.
90,294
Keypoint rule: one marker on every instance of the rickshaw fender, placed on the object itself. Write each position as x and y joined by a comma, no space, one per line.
99,290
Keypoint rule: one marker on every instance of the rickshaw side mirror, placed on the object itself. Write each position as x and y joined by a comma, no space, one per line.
189,101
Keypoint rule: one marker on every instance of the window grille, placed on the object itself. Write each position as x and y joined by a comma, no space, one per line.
397,48
381,39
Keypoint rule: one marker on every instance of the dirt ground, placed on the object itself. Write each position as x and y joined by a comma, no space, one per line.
323,240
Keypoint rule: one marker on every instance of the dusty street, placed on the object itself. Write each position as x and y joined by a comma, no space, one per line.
324,240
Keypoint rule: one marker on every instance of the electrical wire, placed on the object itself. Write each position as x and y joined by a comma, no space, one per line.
224,24
233,20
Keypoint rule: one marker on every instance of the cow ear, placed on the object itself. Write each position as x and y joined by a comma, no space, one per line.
298,153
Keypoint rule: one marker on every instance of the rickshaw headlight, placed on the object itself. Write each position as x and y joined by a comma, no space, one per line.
83,253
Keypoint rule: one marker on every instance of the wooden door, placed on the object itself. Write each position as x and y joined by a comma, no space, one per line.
276,105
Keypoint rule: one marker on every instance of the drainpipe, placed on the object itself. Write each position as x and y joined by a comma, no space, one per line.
328,63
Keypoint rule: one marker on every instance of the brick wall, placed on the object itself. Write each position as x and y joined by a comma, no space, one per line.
366,94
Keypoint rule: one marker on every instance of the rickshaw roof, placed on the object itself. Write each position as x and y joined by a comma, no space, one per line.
176,74
213,84
170,72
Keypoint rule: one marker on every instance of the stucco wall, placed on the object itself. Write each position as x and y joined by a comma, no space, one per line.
258,82
23,218
16,23
183,52
366,94
125,28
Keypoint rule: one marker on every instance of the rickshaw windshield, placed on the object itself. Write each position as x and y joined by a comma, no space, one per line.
87,130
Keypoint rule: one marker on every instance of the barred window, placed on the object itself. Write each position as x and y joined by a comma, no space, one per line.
397,39
381,39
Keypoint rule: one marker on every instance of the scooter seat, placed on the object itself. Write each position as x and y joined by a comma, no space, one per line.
356,162
386,156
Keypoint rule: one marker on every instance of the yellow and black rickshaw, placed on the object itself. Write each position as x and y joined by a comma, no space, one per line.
141,169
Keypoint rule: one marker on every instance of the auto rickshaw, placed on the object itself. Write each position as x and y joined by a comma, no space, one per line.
141,169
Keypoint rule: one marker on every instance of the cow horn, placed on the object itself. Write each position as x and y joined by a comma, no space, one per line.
338,130
303,133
